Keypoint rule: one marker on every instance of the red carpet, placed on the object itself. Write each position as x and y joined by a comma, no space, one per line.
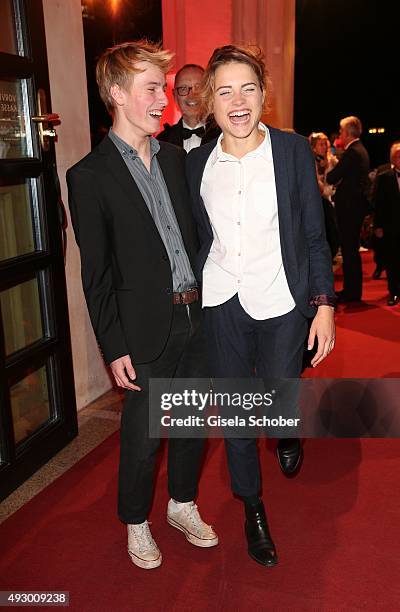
336,526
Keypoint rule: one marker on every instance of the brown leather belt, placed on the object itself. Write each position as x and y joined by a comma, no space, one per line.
186,297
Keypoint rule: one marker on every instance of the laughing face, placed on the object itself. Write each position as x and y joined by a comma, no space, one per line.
238,101
189,104
139,108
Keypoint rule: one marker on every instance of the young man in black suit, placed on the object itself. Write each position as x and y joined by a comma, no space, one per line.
264,262
387,221
129,208
350,176
190,131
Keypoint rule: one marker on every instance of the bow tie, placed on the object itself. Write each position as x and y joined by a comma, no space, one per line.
187,133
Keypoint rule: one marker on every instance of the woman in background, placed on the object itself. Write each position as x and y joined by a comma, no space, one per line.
324,162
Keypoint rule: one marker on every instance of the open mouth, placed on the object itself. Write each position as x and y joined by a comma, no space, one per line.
192,103
239,117
156,114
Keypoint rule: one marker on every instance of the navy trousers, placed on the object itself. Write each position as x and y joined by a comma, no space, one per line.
242,347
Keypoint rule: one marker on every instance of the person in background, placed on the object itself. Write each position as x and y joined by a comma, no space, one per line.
338,147
324,162
350,177
387,221
191,130
264,263
376,243
137,239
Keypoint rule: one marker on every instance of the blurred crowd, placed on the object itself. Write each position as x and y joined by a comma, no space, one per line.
361,207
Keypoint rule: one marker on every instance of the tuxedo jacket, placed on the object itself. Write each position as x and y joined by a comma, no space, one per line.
387,203
305,252
350,175
126,272
174,133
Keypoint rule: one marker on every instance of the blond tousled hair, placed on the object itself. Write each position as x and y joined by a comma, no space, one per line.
118,64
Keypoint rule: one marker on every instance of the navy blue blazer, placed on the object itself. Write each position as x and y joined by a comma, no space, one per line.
306,255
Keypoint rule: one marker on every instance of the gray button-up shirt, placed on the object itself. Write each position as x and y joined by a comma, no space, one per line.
154,190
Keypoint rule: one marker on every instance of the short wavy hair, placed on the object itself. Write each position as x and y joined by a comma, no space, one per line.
353,126
117,65
230,54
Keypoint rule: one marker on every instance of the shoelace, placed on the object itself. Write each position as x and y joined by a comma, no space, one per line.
143,537
195,518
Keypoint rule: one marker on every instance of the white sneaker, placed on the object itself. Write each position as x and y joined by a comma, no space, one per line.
186,518
142,549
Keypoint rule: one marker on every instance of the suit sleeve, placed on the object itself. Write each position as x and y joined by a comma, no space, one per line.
321,275
342,169
90,227
380,202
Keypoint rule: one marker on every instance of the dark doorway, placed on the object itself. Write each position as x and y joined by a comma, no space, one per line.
37,400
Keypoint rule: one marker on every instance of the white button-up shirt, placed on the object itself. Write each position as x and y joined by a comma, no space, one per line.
245,256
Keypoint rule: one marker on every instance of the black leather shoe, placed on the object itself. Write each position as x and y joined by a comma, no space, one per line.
290,455
393,300
260,545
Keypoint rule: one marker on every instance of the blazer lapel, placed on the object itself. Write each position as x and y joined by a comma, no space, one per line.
169,172
179,133
202,154
119,170
284,204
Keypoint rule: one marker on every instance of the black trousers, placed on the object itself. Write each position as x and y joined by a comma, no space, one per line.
349,231
392,260
239,346
183,356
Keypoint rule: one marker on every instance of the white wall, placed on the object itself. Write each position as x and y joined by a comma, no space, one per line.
66,60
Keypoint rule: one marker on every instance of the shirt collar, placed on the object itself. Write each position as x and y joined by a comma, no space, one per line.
263,150
350,143
185,125
125,149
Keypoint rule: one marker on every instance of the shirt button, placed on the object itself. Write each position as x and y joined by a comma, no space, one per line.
177,251
168,227
238,282
168,291
240,191
238,254
237,222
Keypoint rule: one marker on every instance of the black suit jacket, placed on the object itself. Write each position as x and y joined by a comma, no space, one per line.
350,175
305,252
174,133
387,203
126,272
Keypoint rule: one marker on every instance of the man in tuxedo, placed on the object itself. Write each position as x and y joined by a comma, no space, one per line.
129,208
191,130
350,176
387,221
264,262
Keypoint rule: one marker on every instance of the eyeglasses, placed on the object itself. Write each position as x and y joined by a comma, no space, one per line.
184,90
